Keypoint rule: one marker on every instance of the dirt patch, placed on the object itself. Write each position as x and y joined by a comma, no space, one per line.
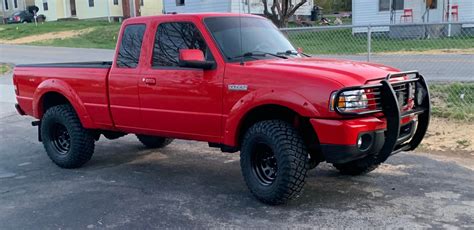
449,135
438,51
47,36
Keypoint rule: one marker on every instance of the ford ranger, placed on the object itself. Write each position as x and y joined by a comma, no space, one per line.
236,82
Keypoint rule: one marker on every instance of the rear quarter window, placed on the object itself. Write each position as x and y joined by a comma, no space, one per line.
131,45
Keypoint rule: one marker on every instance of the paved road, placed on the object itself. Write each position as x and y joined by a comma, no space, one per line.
188,185
17,54
446,67
436,68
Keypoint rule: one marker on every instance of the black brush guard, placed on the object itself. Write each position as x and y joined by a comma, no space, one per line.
389,106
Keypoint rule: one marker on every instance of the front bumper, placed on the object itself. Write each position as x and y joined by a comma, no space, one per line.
397,131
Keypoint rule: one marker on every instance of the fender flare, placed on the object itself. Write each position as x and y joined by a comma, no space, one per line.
61,87
251,101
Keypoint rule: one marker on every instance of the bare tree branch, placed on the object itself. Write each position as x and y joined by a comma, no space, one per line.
297,6
281,10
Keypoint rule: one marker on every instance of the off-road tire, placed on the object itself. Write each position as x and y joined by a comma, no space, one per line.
81,140
290,154
153,142
358,167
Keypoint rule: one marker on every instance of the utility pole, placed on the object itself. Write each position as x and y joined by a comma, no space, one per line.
108,11
248,6
3,11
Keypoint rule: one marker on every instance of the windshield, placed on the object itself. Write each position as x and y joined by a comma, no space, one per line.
259,36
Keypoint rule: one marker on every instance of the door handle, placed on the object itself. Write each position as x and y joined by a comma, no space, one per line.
149,81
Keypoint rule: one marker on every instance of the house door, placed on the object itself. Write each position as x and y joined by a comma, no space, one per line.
434,10
73,8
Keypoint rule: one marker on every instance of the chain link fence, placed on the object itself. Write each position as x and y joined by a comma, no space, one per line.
442,52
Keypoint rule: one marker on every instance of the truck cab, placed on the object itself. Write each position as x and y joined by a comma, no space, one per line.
236,82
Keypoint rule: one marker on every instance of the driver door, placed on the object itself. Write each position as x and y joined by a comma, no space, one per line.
175,101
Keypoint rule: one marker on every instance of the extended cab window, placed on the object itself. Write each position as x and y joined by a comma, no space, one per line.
171,37
130,47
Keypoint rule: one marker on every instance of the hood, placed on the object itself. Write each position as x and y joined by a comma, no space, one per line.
345,72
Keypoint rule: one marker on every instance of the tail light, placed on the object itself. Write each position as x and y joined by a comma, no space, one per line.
15,86
17,18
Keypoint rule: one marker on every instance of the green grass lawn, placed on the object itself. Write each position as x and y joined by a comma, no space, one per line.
103,37
103,34
342,41
453,100
4,68
13,31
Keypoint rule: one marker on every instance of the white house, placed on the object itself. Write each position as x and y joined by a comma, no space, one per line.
230,6
88,9
365,12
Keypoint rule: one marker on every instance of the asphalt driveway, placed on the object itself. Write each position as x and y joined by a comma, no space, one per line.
188,185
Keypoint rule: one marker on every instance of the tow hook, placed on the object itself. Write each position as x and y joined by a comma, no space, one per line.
38,123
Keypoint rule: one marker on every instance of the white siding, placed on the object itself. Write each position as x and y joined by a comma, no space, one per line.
256,7
197,6
231,6
466,10
367,12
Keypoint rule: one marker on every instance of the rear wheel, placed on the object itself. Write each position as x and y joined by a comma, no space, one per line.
67,143
358,167
274,161
154,142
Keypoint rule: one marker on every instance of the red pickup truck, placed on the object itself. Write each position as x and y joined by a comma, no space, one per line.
235,82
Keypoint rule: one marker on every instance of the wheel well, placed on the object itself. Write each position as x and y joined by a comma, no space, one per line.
277,112
52,99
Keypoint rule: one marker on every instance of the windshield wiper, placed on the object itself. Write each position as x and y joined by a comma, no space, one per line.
254,54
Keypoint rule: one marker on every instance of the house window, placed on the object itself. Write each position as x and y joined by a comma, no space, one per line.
384,5
45,5
6,4
91,3
180,3
115,2
15,3
433,4
141,2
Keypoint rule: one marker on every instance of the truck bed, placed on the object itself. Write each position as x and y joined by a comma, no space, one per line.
83,83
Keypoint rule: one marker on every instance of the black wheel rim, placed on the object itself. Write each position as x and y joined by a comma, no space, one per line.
264,164
60,139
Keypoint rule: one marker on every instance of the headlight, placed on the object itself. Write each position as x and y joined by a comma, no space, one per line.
350,101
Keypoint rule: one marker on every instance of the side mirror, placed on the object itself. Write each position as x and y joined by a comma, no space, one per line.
194,58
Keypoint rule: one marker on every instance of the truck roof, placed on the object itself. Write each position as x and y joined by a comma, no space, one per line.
179,16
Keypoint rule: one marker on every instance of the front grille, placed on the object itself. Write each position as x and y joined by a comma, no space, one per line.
402,94
402,91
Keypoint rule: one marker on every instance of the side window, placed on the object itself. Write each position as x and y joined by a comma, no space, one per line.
171,37
130,47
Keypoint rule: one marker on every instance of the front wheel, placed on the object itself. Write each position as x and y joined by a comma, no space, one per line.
274,161
67,143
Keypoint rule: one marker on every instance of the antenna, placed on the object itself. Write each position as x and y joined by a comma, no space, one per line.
240,33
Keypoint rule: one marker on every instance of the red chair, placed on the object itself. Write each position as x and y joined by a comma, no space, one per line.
455,12
407,14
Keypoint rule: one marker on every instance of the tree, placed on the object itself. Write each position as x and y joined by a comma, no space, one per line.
281,10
